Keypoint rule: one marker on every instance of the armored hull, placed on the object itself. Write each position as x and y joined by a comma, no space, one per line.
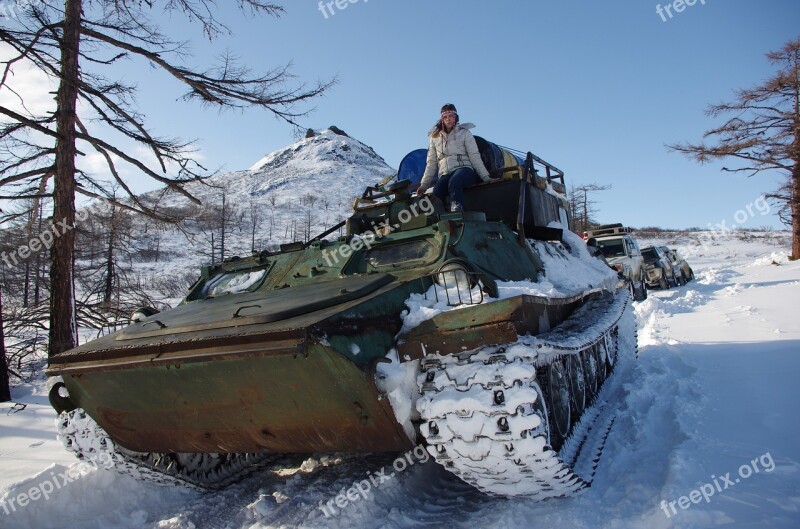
277,353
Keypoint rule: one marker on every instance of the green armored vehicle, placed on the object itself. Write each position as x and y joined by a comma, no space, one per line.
305,350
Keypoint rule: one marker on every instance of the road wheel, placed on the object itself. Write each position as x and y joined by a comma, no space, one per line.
682,280
577,385
600,361
590,375
559,403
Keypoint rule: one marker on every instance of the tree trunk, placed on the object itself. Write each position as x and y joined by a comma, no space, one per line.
5,390
796,169
40,262
63,327
27,288
109,288
796,211
28,262
222,239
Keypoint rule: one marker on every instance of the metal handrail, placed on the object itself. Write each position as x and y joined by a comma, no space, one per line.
553,172
440,280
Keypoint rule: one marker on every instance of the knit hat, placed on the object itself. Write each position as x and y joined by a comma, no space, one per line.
449,108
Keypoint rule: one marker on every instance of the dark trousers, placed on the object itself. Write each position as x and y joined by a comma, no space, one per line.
453,183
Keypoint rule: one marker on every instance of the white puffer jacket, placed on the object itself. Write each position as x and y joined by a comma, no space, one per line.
456,149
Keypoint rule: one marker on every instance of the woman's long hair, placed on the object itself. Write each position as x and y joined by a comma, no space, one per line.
438,127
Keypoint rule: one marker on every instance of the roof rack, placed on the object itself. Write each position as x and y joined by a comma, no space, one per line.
552,173
606,230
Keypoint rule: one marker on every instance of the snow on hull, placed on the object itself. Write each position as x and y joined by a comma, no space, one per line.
569,271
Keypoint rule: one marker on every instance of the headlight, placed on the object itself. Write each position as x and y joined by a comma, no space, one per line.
454,275
458,281
142,313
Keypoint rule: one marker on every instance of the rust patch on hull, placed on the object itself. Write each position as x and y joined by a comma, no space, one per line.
284,403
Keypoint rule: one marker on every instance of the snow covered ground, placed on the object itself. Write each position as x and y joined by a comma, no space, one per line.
706,436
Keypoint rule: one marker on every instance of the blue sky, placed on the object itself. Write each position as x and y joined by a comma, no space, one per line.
596,88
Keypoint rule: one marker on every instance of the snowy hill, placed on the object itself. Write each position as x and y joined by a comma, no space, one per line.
332,166
292,194
706,434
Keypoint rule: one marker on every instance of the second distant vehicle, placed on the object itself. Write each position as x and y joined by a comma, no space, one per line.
659,269
681,268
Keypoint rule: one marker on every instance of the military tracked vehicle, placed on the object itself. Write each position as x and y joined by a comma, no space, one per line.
287,352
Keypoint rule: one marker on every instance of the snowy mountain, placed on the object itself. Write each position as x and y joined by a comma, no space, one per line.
329,165
705,436
292,194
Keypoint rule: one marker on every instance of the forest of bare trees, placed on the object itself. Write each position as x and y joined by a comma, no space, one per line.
79,44
583,205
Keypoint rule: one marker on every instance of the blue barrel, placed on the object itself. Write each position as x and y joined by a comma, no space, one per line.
412,167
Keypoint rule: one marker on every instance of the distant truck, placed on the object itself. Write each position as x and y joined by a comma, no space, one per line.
659,270
683,272
622,253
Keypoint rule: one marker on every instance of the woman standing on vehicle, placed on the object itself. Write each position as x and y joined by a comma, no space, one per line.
453,150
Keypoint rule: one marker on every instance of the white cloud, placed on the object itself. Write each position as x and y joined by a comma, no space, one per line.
30,83
38,92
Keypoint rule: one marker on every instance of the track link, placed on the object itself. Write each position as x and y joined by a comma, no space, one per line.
485,412
82,436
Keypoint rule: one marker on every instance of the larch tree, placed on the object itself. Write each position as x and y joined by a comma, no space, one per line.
77,44
5,389
763,133
583,207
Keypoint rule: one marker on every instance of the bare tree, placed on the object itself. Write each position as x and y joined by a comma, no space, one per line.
74,43
224,214
117,241
783,197
583,207
763,133
255,221
18,258
5,390
25,332
310,222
